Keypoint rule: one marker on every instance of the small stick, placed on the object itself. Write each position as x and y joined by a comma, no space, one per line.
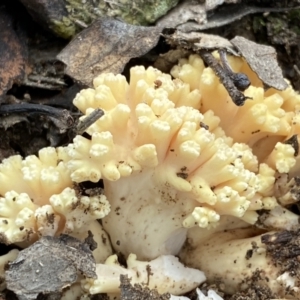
61,114
237,96
240,80
89,120
61,118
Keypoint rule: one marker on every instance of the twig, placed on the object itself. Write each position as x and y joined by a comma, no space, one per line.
89,120
62,115
237,96
240,80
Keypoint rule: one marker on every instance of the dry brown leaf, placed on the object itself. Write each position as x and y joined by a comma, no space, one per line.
12,55
106,46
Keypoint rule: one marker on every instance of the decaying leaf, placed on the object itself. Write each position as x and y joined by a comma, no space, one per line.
166,61
186,43
182,13
12,54
226,14
137,292
106,46
48,266
188,14
204,44
197,40
263,61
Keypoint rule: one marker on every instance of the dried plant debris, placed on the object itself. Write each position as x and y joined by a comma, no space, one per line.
48,266
137,292
59,120
235,83
25,128
27,133
197,40
64,99
12,54
182,13
263,61
84,124
226,14
23,138
240,80
166,61
106,46
45,73
190,13
62,115
232,86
